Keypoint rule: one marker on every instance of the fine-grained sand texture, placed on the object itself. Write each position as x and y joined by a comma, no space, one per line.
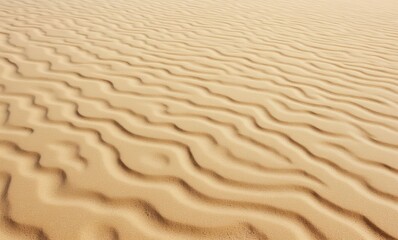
198,119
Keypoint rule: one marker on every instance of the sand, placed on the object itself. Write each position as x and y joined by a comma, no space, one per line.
198,119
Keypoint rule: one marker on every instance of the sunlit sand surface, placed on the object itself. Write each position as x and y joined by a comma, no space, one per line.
198,119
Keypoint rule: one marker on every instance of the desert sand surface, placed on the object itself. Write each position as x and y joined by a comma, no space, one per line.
198,119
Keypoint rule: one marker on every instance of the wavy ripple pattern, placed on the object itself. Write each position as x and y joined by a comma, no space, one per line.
198,119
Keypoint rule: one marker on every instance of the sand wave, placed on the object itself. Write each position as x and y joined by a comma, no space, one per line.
198,119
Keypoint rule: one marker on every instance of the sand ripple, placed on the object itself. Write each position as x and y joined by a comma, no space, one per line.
209,119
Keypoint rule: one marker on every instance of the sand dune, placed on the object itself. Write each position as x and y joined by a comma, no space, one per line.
207,119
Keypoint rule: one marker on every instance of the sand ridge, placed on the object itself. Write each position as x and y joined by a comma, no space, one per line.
201,119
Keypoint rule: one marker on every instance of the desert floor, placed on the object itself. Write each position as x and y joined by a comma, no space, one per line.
198,119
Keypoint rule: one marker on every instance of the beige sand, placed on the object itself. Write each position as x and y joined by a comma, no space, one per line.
198,119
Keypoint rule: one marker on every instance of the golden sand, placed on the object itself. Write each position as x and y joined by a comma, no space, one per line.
198,119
